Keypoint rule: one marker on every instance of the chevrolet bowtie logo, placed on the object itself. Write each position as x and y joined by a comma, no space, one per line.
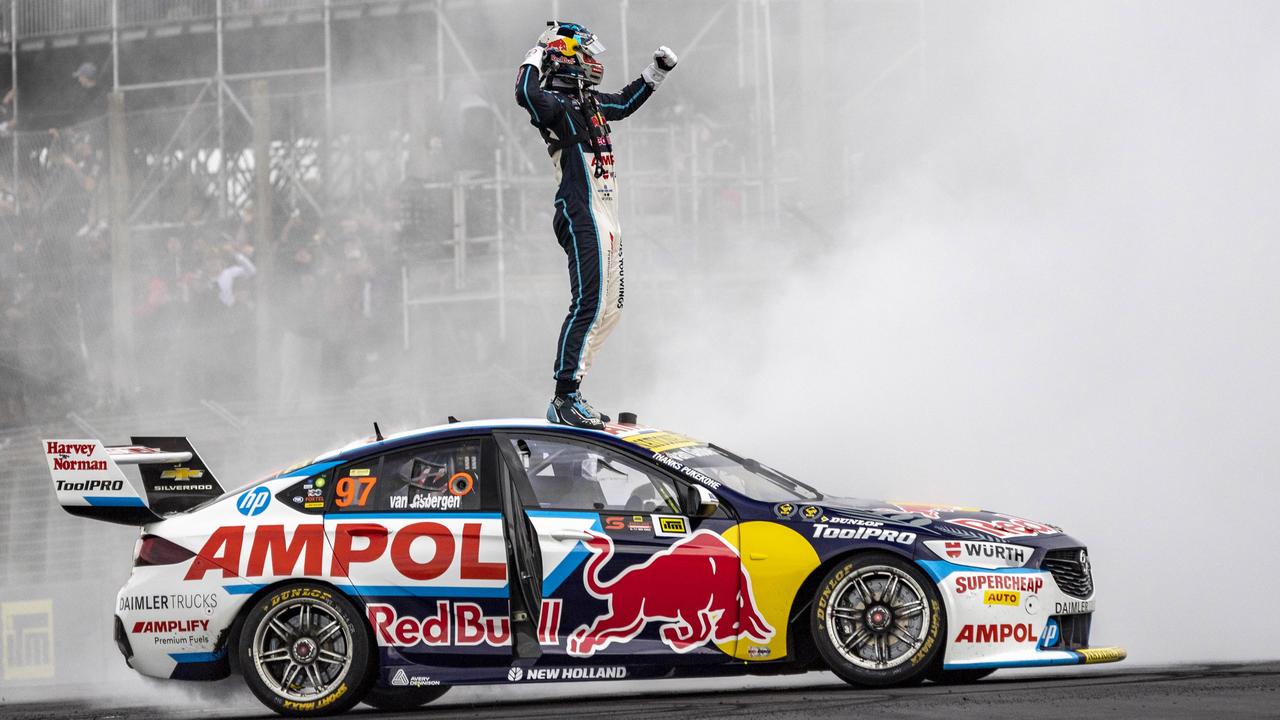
181,474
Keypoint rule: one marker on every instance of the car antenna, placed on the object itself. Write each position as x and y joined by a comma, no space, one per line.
377,431
452,419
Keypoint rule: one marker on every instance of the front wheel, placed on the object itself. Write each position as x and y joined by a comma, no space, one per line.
398,698
305,652
877,620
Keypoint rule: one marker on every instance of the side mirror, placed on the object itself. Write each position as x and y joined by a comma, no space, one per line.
699,502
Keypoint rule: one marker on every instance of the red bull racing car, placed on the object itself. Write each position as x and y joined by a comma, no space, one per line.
522,552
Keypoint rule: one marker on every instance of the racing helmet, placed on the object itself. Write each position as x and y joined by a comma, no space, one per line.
571,54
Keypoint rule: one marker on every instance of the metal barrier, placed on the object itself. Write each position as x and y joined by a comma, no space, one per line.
43,18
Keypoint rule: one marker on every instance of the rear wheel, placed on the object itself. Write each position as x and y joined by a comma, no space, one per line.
305,652
877,620
403,698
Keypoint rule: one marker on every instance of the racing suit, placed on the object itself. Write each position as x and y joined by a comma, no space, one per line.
585,219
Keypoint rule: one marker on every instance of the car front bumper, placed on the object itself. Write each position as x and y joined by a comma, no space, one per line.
1013,617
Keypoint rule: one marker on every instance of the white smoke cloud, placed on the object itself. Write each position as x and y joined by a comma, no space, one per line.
1061,302
1053,294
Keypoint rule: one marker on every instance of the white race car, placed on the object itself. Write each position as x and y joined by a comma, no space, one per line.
519,551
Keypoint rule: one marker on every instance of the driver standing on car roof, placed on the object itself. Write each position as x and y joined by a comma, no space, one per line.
556,84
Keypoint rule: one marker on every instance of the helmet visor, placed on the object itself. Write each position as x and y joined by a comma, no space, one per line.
591,44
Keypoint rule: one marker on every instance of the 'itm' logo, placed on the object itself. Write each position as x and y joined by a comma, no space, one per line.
254,502
26,640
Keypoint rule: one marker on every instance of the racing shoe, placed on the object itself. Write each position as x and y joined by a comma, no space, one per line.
573,409
603,418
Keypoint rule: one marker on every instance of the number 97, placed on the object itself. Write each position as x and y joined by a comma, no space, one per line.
354,491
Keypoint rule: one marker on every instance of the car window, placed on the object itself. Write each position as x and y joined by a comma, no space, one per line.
441,477
569,475
743,475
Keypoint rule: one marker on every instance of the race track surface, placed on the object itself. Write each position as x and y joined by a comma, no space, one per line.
1218,692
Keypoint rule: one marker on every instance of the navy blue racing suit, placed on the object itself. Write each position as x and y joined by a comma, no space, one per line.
585,220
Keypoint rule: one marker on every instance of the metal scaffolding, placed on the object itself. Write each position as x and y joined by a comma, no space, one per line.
193,152
40,24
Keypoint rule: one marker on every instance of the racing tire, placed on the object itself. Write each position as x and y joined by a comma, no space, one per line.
959,677
305,652
399,699
877,620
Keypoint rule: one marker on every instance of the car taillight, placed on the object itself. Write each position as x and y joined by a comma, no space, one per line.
155,550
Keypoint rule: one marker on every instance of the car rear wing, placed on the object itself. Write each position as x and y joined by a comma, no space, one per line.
89,482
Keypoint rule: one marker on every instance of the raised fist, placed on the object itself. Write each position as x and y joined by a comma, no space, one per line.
665,58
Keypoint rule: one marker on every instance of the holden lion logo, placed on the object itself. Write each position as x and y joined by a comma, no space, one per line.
697,586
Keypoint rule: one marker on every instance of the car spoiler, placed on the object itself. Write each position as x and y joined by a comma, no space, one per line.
89,482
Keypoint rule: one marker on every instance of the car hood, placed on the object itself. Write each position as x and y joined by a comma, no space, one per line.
956,521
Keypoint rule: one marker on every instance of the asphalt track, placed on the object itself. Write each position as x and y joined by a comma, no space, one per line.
1219,692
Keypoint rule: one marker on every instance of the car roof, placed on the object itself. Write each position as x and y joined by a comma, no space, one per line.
368,446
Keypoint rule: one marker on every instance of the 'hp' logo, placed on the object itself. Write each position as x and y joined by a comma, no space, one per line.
1049,637
254,501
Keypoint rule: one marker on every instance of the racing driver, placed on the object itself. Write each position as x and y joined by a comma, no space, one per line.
556,84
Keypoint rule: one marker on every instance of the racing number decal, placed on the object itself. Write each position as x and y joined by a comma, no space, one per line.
348,487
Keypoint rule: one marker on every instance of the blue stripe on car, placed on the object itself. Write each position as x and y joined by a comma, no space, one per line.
198,657
940,569
311,469
99,501
1071,659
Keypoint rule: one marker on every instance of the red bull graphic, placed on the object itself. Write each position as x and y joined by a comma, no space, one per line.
455,623
927,510
1006,526
566,46
698,587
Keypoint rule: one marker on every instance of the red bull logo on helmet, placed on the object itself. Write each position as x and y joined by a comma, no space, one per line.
566,46
697,588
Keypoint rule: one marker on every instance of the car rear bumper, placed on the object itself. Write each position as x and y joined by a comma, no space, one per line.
167,628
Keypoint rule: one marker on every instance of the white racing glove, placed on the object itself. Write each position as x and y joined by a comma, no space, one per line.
534,57
664,59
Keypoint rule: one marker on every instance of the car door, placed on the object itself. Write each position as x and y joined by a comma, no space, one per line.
418,532
627,576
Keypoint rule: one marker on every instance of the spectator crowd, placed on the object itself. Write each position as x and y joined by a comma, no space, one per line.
197,287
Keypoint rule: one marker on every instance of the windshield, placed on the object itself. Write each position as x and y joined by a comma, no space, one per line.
744,475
